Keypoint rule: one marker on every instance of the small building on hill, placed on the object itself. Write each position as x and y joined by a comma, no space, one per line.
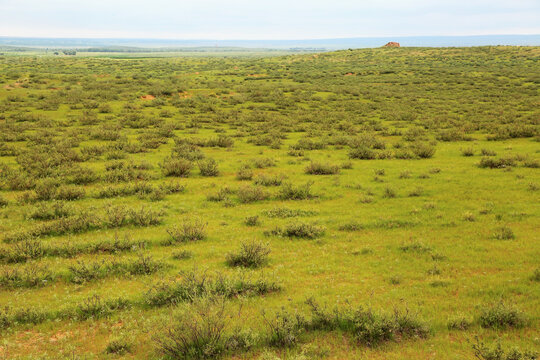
392,44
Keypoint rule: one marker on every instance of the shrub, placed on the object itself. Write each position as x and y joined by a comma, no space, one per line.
182,255
363,153
269,180
252,220
49,211
283,213
500,163
251,255
315,168
288,191
497,352
145,216
263,162
389,192
208,167
119,346
189,230
488,152
198,332
503,233
249,193
285,329
459,323
469,151
501,316
195,285
176,167
299,230
221,195
423,150
244,173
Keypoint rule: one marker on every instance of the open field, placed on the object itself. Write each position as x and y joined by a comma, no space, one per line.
359,204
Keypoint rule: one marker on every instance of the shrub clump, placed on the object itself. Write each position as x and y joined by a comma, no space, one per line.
299,230
251,255
316,168
188,230
501,316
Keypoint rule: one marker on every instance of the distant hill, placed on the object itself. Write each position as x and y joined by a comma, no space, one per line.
313,44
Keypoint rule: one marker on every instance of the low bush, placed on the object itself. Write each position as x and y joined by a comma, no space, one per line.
250,255
501,316
316,168
189,230
288,191
250,193
178,167
299,230
208,167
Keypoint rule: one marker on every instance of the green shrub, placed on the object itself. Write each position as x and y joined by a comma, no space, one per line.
504,233
299,230
250,193
251,255
208,167
501,316
497,352
119,346
179,167
189,230
288,191
316,168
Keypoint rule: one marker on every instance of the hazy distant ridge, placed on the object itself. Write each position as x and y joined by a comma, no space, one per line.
421,41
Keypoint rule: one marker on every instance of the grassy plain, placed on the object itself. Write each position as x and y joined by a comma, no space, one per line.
403,181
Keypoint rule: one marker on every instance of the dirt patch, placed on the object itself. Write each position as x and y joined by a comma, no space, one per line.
350,74
148,97
184,94
257,75
392,44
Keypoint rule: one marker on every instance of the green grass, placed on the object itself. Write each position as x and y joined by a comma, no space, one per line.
432,233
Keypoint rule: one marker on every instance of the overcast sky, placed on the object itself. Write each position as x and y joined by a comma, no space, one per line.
269,19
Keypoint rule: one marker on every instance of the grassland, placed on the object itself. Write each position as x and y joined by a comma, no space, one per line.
360,204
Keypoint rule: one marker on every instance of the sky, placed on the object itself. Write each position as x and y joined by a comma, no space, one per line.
268,19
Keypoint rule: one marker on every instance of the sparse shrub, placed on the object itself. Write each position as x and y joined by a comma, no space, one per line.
497,352
351,226
285,329
250,193
49,211
504,233
468,151
269,180
251,255
363,153
182,255
252,220
488,152
145,216
423,150
469,216
501,316
221,195
119,346
198,332
208,167
389,193
244,173
299,230
406,174
288,191
459,323
263,162
316,168
492,163
189,230
176,167
418,191
284,213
